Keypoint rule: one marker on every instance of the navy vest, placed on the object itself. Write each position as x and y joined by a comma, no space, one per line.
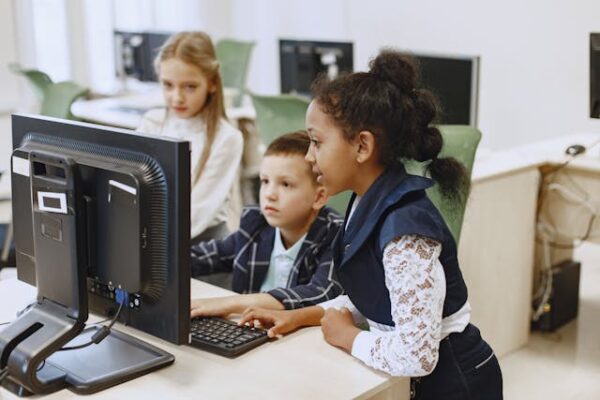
395,205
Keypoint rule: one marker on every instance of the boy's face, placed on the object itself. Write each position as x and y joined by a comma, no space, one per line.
185,87
288,192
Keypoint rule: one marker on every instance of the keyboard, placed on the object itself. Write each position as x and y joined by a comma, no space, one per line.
224,337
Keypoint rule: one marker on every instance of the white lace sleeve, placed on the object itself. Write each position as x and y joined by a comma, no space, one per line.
417,285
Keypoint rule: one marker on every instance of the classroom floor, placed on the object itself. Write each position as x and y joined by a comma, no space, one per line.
563,365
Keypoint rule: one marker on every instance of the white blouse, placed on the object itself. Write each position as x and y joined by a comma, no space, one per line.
416,282
209,203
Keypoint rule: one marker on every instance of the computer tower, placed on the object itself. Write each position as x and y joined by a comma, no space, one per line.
563,304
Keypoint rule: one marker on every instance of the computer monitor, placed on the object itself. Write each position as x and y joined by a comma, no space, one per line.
594,75
133,191
455,82
99,213
135,53
301,61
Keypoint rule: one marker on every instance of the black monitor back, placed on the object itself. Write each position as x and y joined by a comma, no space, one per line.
455,82
301,61
594,75
135,53
134,194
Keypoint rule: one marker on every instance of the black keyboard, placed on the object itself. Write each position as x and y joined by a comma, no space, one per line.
225,337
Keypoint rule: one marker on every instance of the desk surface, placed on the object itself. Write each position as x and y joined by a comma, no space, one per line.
533,155
298,366
126,111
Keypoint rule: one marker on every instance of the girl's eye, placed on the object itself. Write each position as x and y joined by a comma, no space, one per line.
167,85
264,181
192,87
286,184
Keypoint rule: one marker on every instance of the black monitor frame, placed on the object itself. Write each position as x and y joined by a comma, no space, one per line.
54,157
168,317
301,61
135,53
454,80
594,75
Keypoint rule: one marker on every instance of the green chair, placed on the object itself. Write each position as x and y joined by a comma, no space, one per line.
234,58
38,80
460,142
276,115
58,98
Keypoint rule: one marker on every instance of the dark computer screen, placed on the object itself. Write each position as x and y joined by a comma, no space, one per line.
455,82
111,203
135,53
595,75
301,61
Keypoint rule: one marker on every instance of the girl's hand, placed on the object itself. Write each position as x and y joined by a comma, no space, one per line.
339,329
278,321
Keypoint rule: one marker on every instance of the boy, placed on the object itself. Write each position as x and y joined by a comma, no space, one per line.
283,248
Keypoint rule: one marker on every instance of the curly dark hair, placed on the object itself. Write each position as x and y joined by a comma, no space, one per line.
386,101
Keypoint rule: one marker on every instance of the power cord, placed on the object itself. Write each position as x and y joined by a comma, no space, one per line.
122,298
547,232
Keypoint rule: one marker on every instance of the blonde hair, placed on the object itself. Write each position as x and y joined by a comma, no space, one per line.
196,48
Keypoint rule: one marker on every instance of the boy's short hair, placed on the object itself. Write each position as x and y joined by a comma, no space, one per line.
293,143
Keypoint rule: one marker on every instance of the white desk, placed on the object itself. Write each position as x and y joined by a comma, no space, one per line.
126,111
298,366
497,244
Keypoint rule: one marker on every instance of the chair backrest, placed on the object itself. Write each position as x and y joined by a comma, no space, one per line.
58,98
234,59
38,80
460,142
276,115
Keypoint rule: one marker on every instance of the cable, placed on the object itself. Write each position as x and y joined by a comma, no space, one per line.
103,332
547,232
122,297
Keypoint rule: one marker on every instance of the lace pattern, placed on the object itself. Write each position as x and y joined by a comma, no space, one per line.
416,282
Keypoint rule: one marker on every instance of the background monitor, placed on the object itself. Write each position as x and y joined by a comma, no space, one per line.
135,53
594,75
455,82
300,62
130,197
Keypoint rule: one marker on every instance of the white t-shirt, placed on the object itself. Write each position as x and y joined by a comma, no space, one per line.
209,203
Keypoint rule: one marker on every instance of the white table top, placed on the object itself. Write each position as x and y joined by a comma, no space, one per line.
551,151
298,366
126,111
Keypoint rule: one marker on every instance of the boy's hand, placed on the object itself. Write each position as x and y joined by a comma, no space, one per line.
338,328
215,307
278,321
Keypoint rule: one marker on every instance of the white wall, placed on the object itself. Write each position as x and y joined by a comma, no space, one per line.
8,53
534,53
535,63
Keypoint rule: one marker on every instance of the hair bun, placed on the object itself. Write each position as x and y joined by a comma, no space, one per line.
396,68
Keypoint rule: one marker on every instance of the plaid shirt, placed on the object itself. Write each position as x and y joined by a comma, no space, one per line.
248,251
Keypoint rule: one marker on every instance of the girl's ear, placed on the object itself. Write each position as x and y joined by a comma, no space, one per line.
365,146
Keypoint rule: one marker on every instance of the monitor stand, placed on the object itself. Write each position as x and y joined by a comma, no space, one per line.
118,358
